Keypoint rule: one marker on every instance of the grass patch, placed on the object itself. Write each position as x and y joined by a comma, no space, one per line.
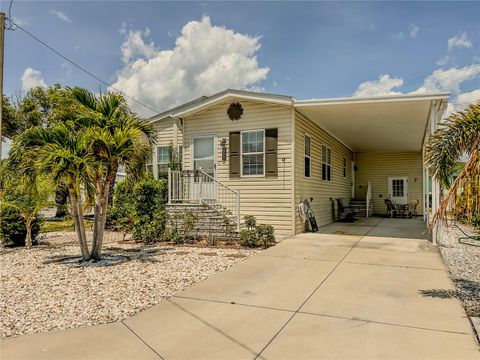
64,225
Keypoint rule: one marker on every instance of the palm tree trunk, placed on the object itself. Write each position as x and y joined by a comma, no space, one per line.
28,239
79,224
97,213
97,250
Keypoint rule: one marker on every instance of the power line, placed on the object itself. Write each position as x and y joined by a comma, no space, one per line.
80,67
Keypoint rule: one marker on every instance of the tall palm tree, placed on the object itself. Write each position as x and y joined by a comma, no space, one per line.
116,136
458,136
63,153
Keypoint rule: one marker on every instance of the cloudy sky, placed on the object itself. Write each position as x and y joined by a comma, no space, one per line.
164,54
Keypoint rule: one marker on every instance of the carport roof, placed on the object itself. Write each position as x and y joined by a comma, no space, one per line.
383,123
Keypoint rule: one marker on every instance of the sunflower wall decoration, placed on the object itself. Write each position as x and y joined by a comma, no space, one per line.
235,111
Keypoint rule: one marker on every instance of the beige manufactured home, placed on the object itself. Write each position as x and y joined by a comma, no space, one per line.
249,153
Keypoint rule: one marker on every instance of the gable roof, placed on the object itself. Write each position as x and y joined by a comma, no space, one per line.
204,102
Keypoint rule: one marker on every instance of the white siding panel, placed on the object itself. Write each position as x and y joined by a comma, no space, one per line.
322,192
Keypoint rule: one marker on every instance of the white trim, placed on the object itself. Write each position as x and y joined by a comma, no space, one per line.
241,153
371,99
328,164
305,135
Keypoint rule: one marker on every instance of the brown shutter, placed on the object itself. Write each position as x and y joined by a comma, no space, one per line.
234,154
271,145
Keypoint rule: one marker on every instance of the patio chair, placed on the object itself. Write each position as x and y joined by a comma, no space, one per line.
391,208
345,213
412,208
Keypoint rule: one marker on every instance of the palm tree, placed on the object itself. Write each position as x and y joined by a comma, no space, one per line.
116,136
458,136
62,152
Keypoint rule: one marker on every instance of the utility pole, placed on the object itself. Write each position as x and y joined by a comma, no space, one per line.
2,45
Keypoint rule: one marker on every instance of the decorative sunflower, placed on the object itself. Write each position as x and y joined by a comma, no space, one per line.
235,111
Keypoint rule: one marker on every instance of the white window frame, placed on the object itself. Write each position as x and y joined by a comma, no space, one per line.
149,163
328,148
163,163
305,156
254,153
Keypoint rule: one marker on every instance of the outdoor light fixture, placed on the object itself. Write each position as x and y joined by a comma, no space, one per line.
223,145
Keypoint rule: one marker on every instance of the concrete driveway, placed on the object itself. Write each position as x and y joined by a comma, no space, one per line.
368,290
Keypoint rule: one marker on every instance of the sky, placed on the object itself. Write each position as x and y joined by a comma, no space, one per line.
166,53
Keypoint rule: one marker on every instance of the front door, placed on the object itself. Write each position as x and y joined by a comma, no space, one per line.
398,189
204,187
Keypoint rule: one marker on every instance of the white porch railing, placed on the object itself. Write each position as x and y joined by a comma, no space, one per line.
368,199
196,186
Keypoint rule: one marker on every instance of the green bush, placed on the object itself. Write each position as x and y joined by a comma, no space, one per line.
248,238
151,230
256,235
12,227
189,223
266,235
140,209
149,197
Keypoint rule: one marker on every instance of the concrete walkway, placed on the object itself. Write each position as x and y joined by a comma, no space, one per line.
368,290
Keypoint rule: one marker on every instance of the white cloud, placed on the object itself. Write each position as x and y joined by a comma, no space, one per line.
440,80
450,79
60,15
135,46
460,41
205,59
32,78
383,86
413,30
444,60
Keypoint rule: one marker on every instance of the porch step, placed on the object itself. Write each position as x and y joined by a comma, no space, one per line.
361,206
210,222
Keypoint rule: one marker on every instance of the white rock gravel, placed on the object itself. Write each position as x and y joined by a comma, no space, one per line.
40,293
463,263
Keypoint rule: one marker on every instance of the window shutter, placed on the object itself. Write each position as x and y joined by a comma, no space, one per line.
234,154
271,145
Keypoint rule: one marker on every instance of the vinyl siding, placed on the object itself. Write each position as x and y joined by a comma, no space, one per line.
376,167
268,199
322,192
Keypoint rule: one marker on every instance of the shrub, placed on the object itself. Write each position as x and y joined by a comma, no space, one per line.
248,238
13,227
149,197
189,222
151,230
256,235
266,235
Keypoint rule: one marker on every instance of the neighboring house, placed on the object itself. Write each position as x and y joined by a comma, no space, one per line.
264,153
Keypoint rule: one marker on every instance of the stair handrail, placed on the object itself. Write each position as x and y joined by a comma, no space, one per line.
235,193
368,199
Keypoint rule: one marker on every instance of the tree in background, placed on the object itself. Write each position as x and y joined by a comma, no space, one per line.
39,107
458,136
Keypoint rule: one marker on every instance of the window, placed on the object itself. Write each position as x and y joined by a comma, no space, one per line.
163,159
307,158
344,167
326,163
253,152
149,164
398,188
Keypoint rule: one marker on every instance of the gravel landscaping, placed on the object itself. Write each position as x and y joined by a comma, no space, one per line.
463,263
46,288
